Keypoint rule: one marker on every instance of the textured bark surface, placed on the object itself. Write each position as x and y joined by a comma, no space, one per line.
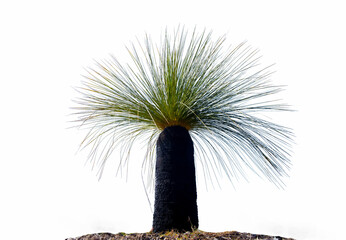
175,182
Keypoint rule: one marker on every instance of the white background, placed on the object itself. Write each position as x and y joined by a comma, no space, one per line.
47,192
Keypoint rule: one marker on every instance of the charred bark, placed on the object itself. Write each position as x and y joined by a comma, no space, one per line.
175,182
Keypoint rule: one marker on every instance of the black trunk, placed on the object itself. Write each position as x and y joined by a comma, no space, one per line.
175,182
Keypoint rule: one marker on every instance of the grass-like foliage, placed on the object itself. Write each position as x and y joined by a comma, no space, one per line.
193,81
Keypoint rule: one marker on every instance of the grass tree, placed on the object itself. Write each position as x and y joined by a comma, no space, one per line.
191,98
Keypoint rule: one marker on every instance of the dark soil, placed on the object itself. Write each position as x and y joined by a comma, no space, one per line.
196,235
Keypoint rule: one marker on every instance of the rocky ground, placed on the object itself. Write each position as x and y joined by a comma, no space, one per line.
196,235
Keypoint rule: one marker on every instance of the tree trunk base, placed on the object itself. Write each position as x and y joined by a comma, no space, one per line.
175,205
